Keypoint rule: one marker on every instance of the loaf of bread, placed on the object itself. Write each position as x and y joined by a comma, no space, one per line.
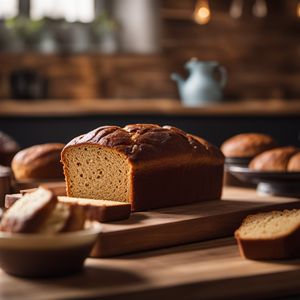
143,164
8,148
41,212
247,145
276,160
271,235
38,162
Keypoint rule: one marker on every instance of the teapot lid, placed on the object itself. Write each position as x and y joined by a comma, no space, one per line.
195,62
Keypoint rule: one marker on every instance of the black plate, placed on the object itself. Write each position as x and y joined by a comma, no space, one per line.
274,183
241,161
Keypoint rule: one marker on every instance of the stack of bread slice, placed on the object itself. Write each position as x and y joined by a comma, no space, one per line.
41,212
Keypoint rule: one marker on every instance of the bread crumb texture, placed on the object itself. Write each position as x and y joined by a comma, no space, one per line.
270,225
94,171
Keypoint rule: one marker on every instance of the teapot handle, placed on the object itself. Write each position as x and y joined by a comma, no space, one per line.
223,79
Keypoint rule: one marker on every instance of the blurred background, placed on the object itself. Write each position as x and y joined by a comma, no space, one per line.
79,64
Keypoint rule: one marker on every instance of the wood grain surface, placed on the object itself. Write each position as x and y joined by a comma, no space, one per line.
203,270
167,107
186,223
207,270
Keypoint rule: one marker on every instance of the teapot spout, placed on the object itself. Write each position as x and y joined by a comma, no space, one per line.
176,77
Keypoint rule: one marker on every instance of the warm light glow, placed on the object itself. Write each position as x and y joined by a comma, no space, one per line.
8,9
202,12
70,10
298,9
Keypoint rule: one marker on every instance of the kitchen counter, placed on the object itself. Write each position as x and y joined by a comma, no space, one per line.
146,107
207,270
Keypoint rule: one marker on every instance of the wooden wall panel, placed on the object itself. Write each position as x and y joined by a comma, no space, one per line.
261,55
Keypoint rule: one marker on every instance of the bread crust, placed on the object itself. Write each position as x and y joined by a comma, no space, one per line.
149,142
276,160
247,145
38,162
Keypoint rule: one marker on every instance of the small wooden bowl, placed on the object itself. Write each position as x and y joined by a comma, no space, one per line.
45,255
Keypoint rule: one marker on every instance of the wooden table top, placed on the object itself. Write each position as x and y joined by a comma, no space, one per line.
206,270
146,107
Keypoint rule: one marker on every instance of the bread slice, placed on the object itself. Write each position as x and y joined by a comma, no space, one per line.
271,235
10,199
77,217
98,210
101,210
56,221
29,212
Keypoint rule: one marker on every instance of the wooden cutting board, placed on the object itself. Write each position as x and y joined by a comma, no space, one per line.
184,224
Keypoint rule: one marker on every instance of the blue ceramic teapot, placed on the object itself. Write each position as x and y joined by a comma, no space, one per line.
201,87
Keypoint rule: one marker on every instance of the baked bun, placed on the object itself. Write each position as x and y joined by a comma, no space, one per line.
38,162
294,163
275,160
247,145
8,148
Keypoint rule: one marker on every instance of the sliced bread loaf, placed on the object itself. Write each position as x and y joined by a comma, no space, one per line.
146,165
270,235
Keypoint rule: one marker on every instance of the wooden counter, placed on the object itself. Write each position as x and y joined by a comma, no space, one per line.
207,270
146,107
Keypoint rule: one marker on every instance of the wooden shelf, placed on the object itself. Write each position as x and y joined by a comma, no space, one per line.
13,108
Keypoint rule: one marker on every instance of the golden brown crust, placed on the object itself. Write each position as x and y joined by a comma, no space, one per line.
148,142
294,163
275,160
38,162
247,145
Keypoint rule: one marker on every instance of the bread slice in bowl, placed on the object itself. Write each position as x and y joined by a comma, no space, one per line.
29,212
